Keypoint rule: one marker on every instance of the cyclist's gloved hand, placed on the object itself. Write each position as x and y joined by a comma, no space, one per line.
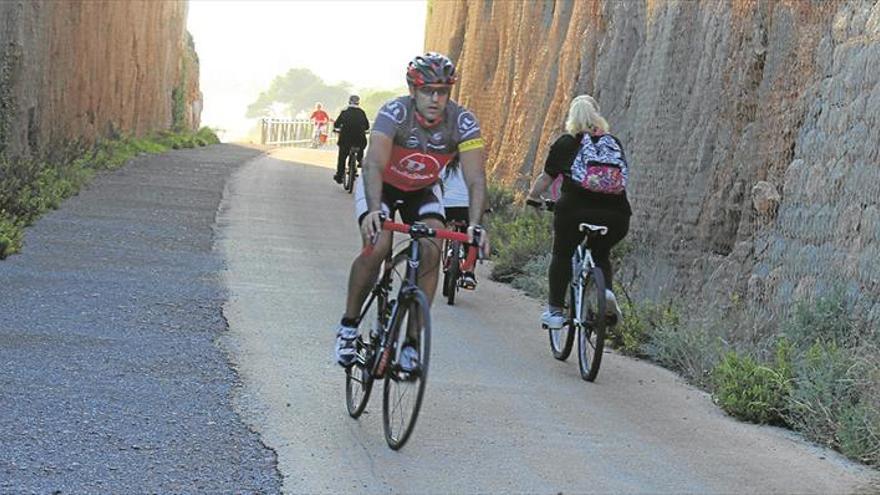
372,225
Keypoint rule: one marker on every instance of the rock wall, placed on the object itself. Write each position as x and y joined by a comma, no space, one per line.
78,70
751,127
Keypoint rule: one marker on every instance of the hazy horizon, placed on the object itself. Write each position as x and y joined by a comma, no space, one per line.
244,45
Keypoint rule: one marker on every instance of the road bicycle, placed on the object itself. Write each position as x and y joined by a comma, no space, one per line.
585,305
351,169
395,318
454,254
454,260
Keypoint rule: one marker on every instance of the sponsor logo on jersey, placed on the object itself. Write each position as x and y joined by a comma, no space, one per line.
418,166
467,125
412,141
394,110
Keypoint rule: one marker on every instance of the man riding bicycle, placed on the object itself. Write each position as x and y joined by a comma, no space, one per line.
414,138
351,124
319,119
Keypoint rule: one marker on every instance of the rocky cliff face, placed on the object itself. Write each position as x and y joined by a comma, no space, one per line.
83,69
751,127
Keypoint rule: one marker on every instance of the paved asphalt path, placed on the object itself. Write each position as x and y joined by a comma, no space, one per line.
111,380
500,414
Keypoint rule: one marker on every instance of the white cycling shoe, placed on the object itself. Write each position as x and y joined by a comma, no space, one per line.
409,359
346,349
553,319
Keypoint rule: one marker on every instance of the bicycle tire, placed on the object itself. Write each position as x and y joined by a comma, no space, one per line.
359,381
452,273
591,331
397,423
562,340
350,172
359,378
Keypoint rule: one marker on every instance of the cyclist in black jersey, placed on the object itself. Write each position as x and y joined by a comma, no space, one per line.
351,124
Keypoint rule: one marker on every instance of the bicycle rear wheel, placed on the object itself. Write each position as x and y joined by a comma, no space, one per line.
591,330
350,171
404,390
562,340
452,272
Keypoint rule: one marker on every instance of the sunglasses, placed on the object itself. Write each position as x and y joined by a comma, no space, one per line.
430,91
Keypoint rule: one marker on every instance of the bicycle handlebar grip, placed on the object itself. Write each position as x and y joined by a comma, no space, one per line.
532,202
368,249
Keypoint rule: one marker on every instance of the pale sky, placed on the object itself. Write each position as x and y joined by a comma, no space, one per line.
243,45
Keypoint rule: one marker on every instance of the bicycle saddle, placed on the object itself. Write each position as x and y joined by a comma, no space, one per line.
593,229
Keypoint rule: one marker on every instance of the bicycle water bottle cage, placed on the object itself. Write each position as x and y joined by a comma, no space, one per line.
591,229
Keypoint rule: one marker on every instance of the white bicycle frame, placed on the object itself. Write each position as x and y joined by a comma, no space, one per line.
581,264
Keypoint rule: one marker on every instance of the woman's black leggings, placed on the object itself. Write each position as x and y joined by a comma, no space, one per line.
566,237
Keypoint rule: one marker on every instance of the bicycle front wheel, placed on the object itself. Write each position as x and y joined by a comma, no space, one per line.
359,380
591,328
350,171
404,388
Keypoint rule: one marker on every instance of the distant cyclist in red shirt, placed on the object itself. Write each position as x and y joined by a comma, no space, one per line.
320,118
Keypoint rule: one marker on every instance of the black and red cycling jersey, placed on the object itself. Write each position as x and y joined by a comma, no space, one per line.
420,153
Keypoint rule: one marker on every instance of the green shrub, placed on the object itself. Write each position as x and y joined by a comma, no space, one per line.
825,319
859,433
632,335
10,236
533,279
501,200
825,379
518,240
687,349
752,391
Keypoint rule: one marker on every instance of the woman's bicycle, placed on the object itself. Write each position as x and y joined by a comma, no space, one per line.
585,305
351,167
397,316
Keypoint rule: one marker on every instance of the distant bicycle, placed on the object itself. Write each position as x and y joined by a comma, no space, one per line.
351,169
395,319
585,302
319,135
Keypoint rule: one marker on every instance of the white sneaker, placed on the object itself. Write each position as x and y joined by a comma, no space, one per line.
554,320
611,307
346,349
409,359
